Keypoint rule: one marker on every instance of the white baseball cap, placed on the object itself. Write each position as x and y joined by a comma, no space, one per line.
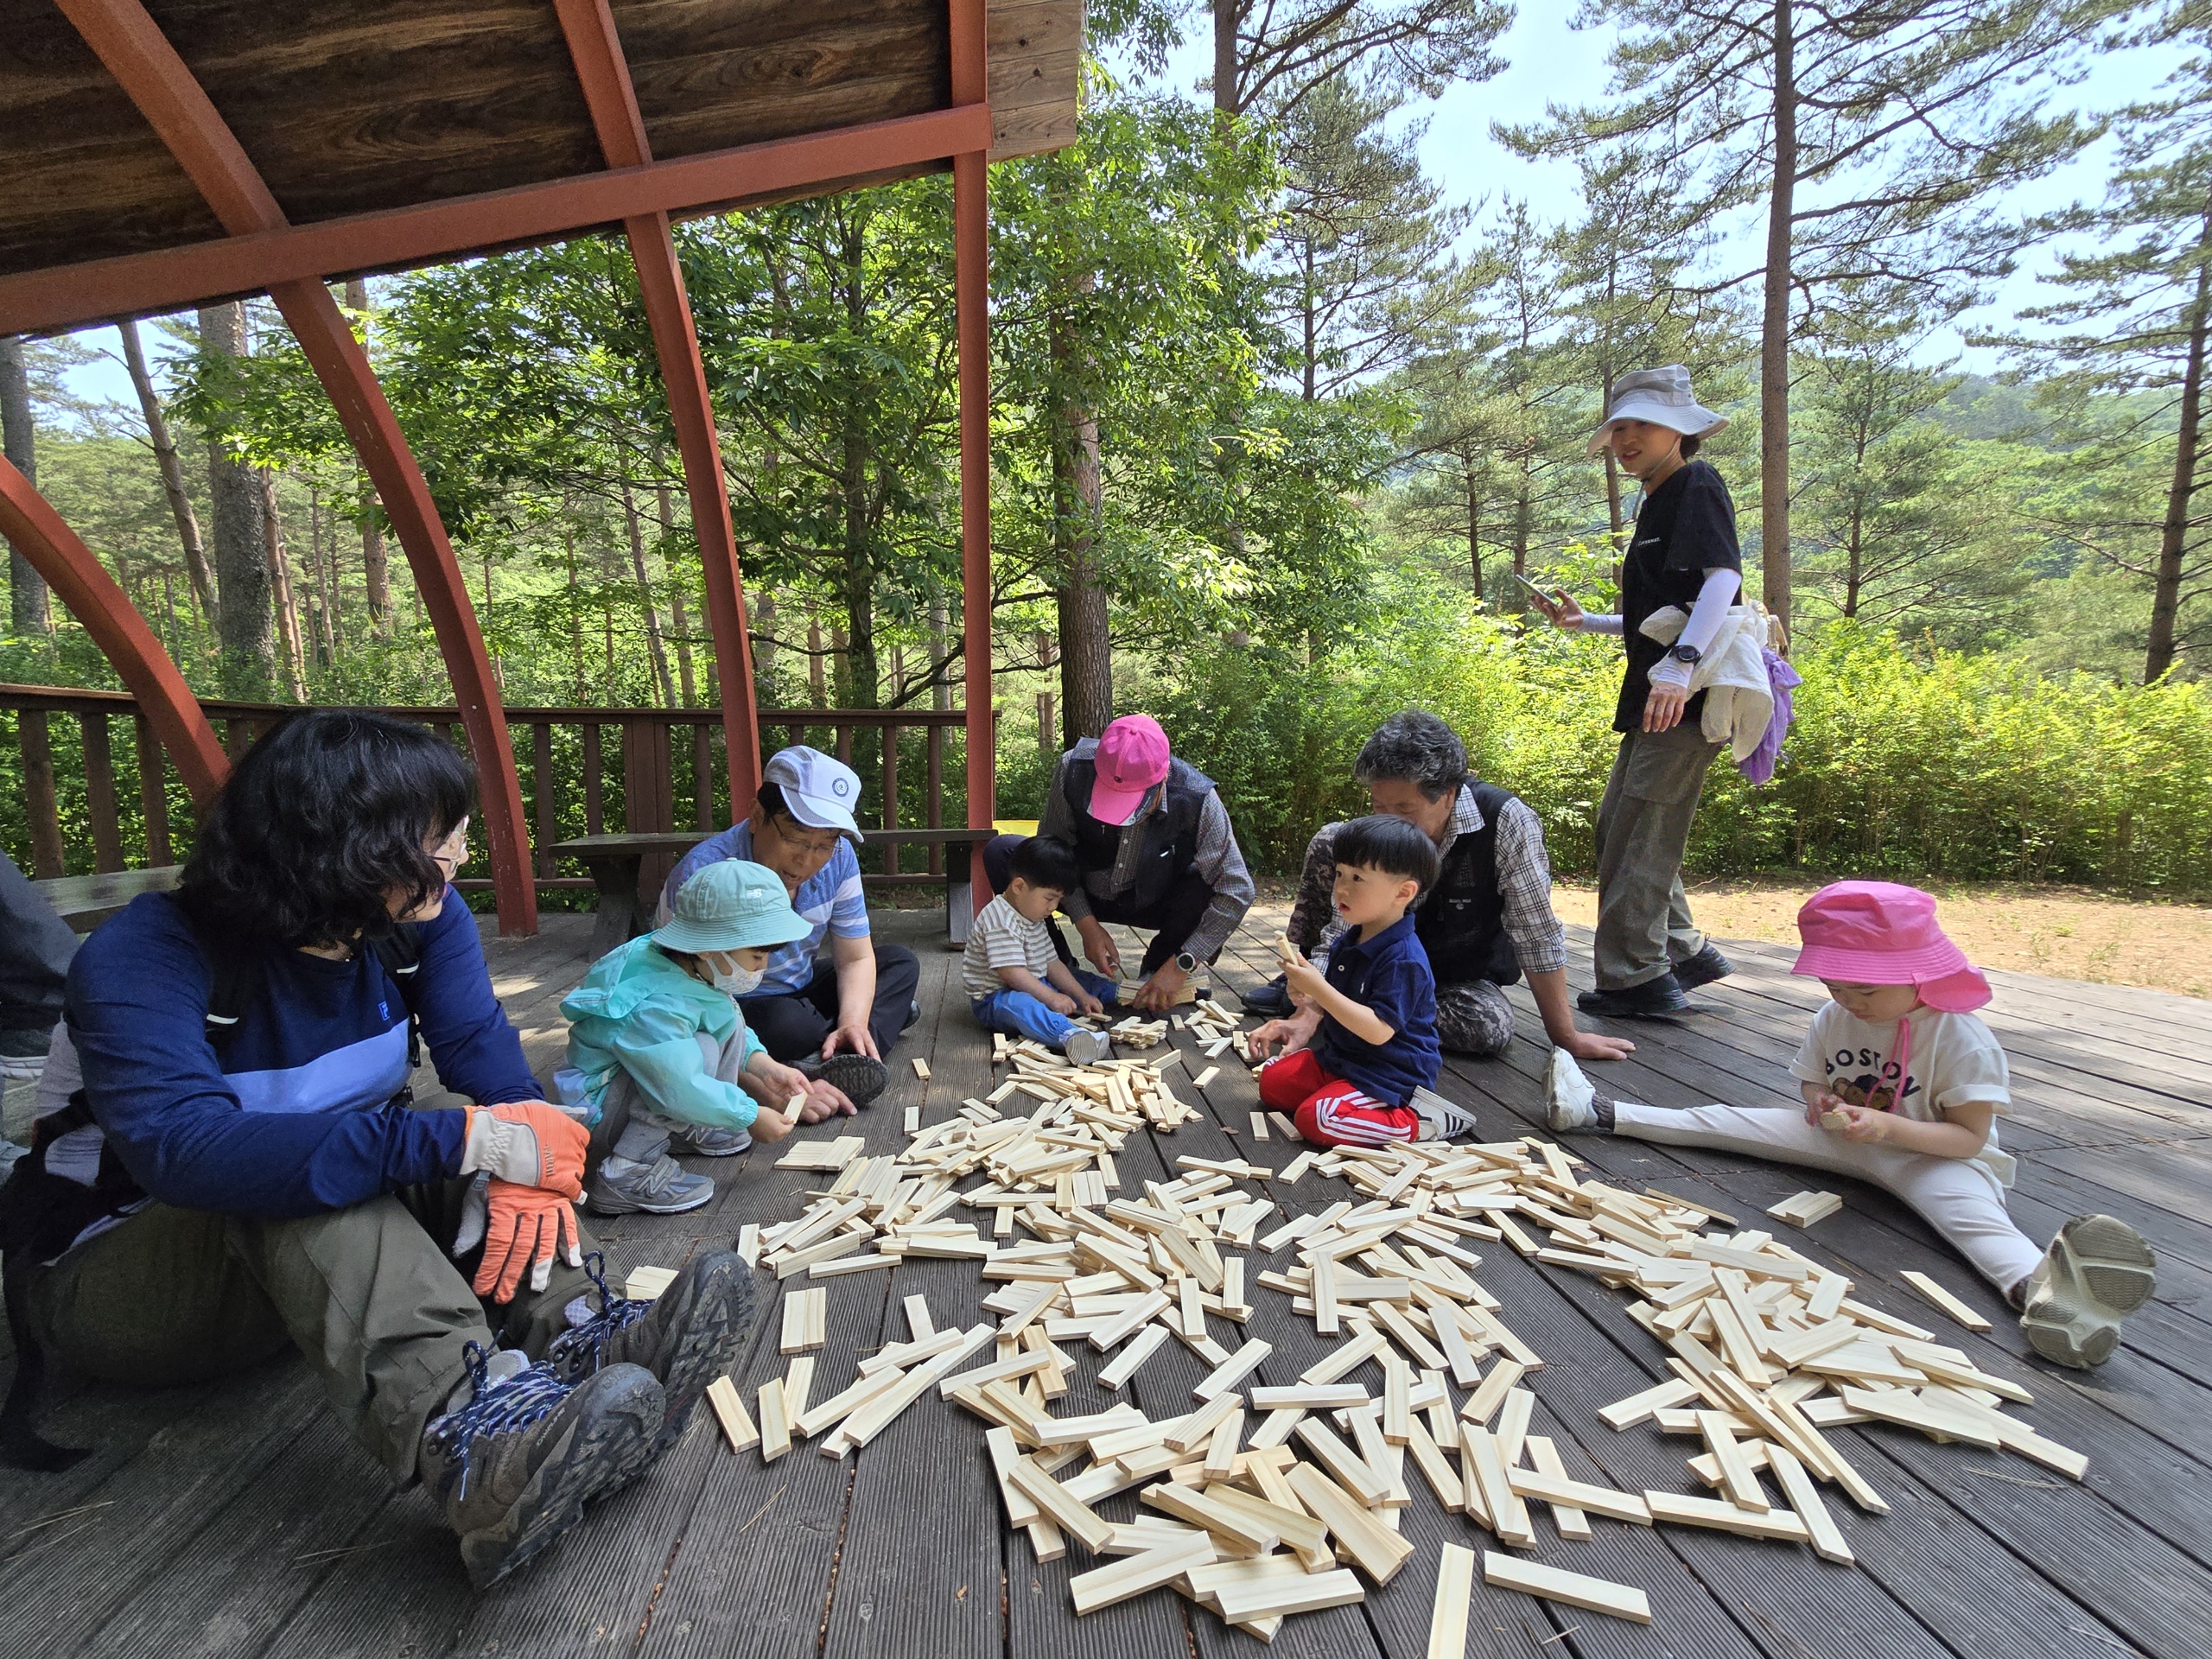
1662,396
820,789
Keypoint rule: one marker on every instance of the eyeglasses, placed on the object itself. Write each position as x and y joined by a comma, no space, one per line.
452,854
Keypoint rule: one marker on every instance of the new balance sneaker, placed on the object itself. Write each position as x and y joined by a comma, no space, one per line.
663,1187
1702,969
1654,999
686,1337
518,1452
1084,1046
1271,1000
2096,1272
699,1141
862,1078
1570,1103
1440,1119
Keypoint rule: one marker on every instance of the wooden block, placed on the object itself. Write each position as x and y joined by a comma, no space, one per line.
1274,1598
921,1068
1480,1466
1308,1396
1299,1532
775,1428
1102,1587
1513,1424
748,1244
1639,1408
1259,1126
798,1379
1737,1479
1835,1121
804,1313
1240,1533
1943,1300
1481,1405
1346,1359
1575,1589
919,1326
1324,1291
913,1122
1221,1450
1374,1548
1141,1347
1572,1522
1557,1489
1780,1525
1345,1466
1910,1410
1805,1499
1206,1076
1053,1502
1447,1617
729,1406
645,1284
1234,1370
1435,1468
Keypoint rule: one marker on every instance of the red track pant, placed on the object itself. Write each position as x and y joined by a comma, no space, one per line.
1328,1110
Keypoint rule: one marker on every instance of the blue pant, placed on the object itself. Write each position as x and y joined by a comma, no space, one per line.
1019,1014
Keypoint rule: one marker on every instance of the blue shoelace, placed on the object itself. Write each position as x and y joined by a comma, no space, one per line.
579,1352
495,1408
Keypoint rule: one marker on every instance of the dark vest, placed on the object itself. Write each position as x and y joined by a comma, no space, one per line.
1171,834
1462,922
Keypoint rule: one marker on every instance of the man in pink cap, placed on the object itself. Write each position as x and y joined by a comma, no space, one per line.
1902,1084
1156,849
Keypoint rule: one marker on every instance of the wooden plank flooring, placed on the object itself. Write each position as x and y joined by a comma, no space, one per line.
232,1518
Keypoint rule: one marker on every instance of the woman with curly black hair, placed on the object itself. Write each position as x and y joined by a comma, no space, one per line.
237,1163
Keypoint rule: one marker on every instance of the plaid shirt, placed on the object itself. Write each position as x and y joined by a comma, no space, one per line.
1524,881
1218,860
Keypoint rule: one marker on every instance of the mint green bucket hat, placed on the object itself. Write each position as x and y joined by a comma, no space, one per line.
732,904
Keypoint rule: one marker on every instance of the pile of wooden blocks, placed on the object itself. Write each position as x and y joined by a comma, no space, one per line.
1804,1209
1133,1032
1216,1030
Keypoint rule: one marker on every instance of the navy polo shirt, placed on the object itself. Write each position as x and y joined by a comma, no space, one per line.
1390,973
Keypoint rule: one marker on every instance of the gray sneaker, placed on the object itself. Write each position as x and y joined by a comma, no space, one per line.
2096,1272
663,1187
702,1140
1084,1046
1440,1119
516,1457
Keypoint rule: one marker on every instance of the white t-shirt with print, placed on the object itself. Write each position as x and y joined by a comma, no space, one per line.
1002,937
1955,1060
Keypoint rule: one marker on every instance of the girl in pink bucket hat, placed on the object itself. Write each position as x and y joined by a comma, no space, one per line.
1901,1082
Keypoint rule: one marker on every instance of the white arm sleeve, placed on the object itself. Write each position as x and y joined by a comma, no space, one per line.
1704,625
1600,622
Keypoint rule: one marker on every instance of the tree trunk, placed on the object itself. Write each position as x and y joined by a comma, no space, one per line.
280,583
856,577
376,568
1086,644
816,688
1474,540
2173,535
1855,548
172,470
676,609
940,691
240,535
1521,514
1307,318
653,645
1774,331
322,579
27,603
1227,14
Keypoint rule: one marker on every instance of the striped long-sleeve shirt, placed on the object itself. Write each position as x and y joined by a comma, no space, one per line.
1219,860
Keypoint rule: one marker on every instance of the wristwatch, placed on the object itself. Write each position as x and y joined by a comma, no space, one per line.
1689,654
1186,961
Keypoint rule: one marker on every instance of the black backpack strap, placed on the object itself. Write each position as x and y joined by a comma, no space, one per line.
400,952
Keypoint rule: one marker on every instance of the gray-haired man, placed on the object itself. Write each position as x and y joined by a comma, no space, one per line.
1488,921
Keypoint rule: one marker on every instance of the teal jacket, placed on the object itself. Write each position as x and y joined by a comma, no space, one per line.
639,1011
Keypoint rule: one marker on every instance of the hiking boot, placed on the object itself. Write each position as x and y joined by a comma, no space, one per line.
1084,1046
663,1187
913,1015
1653,999
1702,969
700,1141
518,1453
1271,1001
686,1337
861,1077
2096,1272
1440,1119
1571,1105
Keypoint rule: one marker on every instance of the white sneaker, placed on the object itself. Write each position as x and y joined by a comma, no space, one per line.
1440,1119
1569,1101
1084,1046
2096,1272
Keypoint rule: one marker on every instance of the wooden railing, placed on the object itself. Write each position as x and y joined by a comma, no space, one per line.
583,771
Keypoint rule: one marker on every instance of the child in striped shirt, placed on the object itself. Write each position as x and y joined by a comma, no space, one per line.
1015,981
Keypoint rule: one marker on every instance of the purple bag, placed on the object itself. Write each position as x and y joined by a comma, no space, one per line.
1759,765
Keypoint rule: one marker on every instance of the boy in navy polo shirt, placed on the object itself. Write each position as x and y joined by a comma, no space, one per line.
1363,1042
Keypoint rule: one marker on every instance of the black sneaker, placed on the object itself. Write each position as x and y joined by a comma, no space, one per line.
1655,999
686,1337
1703,969
861,1077
515,1463
913,1015
1271,1001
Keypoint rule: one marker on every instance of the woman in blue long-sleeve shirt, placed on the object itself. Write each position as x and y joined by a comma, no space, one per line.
238,1165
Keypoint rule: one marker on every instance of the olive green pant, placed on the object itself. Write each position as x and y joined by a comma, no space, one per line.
371,1295
1644,828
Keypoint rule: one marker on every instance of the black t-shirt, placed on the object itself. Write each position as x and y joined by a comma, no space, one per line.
1684,527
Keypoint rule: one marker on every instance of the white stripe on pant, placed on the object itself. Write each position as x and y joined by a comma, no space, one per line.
1958,1197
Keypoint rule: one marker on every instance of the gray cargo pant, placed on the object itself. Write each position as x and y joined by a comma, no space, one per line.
1643,828
370,1295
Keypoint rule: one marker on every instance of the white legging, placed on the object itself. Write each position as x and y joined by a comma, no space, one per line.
1959,1197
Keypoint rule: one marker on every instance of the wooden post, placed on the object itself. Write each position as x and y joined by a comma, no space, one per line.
595,783
100,794
153,794
890,795
971,291
37,747
541,787
703,778
934,792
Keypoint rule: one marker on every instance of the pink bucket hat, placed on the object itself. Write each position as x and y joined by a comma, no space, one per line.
1132,758
1879,933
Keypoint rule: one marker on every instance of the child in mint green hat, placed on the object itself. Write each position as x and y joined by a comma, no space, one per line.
660,1051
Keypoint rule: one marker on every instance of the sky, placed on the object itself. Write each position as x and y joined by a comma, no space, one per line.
1547,58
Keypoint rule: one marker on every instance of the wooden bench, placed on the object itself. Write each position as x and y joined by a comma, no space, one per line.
85,901
623,912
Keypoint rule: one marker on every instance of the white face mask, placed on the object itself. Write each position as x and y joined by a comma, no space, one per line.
741,982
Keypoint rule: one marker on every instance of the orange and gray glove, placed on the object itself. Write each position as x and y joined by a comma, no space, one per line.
523,1230
529,1143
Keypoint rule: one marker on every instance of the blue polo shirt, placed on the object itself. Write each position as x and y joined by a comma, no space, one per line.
829,901
1390,973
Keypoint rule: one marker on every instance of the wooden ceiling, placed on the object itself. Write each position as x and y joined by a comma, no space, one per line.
353,107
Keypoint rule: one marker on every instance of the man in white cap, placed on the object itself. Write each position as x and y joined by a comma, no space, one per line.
836,1019
1156,849
1649,951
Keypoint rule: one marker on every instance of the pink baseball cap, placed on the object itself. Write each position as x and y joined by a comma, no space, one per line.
1879,933
1132,758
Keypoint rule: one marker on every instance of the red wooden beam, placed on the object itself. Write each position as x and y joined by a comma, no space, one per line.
166,279
612,100
971,249
86,588
157,80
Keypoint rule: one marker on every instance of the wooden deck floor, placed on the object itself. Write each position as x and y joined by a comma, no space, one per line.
235,1519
